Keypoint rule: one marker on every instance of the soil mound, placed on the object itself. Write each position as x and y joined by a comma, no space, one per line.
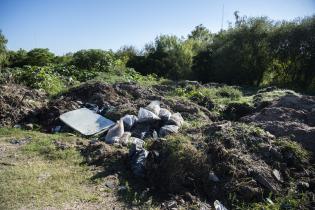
17,102
291,116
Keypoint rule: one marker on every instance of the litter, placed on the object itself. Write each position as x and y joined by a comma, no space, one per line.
168,129
213,177
154,107
124,139
176,119
86,121
145,115
56,129
164,114
129,121
138,156
114,133
218,205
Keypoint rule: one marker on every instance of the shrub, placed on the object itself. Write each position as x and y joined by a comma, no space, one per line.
41,78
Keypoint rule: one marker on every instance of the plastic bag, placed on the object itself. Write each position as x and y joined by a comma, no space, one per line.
154,107
164,114
125,138
168,129
138,156
218,205
176,119
146,115
113,135
129,121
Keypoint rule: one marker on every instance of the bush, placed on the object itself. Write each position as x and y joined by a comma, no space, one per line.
41,78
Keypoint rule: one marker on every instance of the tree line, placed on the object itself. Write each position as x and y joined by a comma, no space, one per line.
253,51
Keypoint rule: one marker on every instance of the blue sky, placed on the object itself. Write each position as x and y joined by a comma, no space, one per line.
70,25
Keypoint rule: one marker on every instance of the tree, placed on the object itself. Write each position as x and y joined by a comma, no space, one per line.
3,50
201,34
239,55
168,56
17,58
39,57
293,50
93,59
63,59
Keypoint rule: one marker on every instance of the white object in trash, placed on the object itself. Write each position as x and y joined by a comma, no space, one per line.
218,205
86,121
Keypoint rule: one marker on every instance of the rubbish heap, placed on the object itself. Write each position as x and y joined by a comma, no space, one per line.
152,122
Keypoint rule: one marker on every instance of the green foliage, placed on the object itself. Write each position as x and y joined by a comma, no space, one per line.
237,56
3,50
42,177
252,52
40,77
93,59
168,57
17,58
39,57
289,201
218,95
123,74
255,51
271,95
295,148
181,161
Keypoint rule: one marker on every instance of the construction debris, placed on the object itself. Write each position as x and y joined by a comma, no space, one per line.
86,121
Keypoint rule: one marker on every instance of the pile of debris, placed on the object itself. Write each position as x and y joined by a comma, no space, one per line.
152,122
17,102
291,116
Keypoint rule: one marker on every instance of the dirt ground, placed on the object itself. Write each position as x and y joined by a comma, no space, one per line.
265,153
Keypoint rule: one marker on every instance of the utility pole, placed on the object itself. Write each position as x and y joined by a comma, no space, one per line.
222,17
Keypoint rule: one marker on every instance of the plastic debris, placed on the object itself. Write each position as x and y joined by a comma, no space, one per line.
114,134
213,177
176,119
17,126
145,115
276,174
138,156
136,141
86,121
154,107
218,205
270,201
124,139
92,107
56,129
168,129
164,114
129,121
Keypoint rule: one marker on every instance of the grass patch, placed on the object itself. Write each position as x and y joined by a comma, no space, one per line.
121,74
43,175
272,95
38,183
289,201
218,96
293,147
180,162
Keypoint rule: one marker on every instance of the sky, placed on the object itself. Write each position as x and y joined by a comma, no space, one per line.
71,25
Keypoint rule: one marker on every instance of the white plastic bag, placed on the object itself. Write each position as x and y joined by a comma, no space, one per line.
154,107
176,119
146,115
218,205
164,114
129,120
168,129
113,135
